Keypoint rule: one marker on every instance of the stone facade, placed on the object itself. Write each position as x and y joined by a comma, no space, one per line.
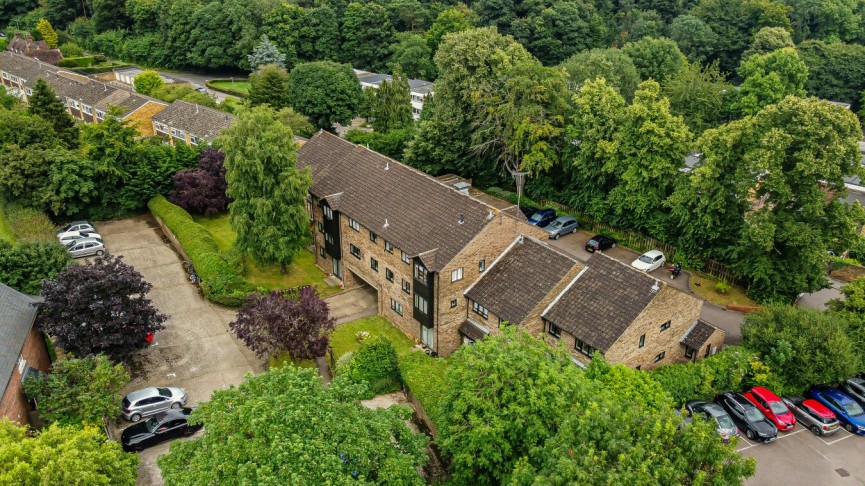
34,354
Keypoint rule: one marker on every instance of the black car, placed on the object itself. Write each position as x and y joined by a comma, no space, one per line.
158,428
600,243
527,211
542,217
748,417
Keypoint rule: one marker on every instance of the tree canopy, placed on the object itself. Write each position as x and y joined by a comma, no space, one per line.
324,91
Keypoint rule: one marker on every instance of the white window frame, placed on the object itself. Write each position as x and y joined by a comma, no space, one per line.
480,310
87,110
396,306
178,134
421,304
100,115
353,224
5,75
29,92
405,257
328,212
457,275
160,127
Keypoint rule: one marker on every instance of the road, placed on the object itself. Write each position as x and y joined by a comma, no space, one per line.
818,299
729,321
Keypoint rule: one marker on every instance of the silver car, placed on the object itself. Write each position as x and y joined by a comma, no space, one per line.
152,400
562,226
85,247
855,387
71,236
712,411
77,226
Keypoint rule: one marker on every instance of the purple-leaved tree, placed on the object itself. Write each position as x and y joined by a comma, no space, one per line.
202,190
99,307
270,324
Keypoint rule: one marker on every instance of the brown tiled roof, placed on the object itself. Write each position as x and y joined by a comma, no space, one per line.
520,278
24,67
473,330
421,213
17,313
699,333
194,119
602,301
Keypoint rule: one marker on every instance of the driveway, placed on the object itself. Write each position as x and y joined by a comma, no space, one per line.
196,351
729,321
819,299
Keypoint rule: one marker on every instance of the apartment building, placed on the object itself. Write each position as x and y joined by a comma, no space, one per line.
418,88
190,123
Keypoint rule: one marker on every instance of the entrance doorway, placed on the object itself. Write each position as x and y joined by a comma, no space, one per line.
337,267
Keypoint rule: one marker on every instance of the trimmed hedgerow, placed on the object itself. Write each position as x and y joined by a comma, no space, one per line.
424,377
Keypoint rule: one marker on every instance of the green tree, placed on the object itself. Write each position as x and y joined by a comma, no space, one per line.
79,391
47,32
804,346
24,266
656,58
45,103
854,298
392,109
695,38
147,82
449,20
830,20
265,53
269,86
769,39
348,442
611,64
836,71
324,91
299,124
561,30
109,15
367,36
62,12
651,147
269,191
701,96
303,34
769,78
368,101
413,54
63,455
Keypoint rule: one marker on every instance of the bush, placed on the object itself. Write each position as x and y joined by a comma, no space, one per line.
511,197
71,50
391,143
29,224
374,364
722,287
424,377
220,280
25,266
77,62
101,68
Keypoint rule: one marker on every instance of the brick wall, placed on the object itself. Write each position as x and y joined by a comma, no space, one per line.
14,404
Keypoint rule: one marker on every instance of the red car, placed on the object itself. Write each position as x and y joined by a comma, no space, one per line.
772,407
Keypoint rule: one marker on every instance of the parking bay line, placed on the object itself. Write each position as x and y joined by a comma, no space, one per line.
750,445
837,440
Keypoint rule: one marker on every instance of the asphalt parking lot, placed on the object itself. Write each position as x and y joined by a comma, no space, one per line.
801,458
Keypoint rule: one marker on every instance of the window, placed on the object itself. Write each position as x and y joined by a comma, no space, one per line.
415,111
5,75
355,251
100,115
87,109
583,347
555,331
74,103
406,287
194,140
321,251
354,225
388,274
665,326
320,227
453,303
420,273
328,238
29,92
457,275
178,134
482,265
501,321
396,306
689,352
388,246
420,304
660,356
328,213
405,257
642,340
159,126
480,310
14,78
373,264
373,237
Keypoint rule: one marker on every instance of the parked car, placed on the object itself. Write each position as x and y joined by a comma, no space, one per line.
600,243
152,400
562,226
71,236
159,428
527,211
846,410
86,247
77,226
542,217
855,387
812,414
712,411
649,261
748,417
772,407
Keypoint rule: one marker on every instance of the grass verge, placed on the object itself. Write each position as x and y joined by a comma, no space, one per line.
343,338
705,288
236,87
5,229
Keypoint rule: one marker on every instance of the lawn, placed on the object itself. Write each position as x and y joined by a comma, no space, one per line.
705,288
5,230
284,358
227,86
301,272
343,338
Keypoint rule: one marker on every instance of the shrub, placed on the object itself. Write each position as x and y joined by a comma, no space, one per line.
375,364
71,49
511,197
25,266
424,377
343,361
29,224
722,287
220,280
77,62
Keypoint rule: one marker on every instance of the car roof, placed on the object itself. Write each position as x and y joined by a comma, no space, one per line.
150,391
739,398
818,407
714,409
857,380
837,395
73,223
565,218
765,394
653,253
80,240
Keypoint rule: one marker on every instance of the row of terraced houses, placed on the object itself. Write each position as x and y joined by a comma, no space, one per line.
450,269
90,101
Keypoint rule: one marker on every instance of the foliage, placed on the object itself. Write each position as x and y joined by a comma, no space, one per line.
24,266
63,455
269,191
414,55
344,340
29,224
265,52
324,91
47,33
367,35
836,71
348,442
99,307
44,103
392,144
656,58
769,78
854,298
183,91
449,20
147,82
220,282
700,95
805,347
71,49
79,391
612,65
769,39
694,37
722,287
270,324
392,109
298,123
424,377
269,86
374,364
202,190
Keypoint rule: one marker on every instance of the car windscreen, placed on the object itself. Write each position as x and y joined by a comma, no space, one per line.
778,408
646,259
151,424
593,242
536,217
753,415
556,224
853,409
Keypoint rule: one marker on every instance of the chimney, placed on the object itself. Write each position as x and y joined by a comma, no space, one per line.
656,287
386,165
386,224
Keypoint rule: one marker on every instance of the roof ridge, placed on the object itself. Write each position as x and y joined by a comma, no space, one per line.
565,290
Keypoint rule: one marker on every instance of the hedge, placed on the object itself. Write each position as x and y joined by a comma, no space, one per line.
221,279
424,377
375,364
511,197
27,224
102,68
77,62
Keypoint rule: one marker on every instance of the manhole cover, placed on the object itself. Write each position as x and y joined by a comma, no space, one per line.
842,472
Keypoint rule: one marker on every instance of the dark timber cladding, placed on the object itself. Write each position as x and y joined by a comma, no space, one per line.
417,213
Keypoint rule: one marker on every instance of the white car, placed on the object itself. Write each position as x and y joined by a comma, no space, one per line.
70,236
649,261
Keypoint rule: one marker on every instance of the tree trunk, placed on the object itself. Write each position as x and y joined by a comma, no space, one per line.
283,268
